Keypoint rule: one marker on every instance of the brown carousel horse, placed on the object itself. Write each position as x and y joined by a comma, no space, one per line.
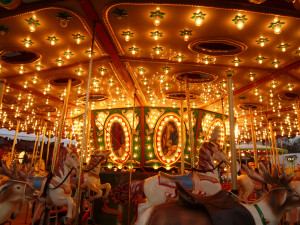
248,186
222,209
161,187
14,192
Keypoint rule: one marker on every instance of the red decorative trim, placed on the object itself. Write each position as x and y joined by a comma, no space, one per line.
163,184
92,16
198,130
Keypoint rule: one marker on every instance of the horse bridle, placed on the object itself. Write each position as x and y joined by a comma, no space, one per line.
210,170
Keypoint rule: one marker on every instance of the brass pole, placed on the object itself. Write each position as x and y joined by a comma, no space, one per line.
34,149
232,134
131,159
15,140
71,134
48,149
275,144
298,113
253,136
2,88
240,154
42,148
182,134
88,148
272,140
282,154
187,93
61,124
84,135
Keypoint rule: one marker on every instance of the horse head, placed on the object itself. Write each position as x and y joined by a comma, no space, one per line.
17,187
282,196
72,158
218,154
210,152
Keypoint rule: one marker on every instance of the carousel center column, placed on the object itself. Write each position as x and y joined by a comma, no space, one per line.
232,135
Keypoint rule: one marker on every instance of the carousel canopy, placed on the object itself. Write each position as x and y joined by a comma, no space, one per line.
149,50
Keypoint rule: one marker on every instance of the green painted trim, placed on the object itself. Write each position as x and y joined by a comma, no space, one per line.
261,215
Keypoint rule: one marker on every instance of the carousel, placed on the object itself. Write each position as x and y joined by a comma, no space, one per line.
135,112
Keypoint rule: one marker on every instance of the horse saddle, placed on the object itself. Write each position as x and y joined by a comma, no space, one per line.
220,207
185,180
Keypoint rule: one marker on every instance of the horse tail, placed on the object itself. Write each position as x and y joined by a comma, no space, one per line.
137,188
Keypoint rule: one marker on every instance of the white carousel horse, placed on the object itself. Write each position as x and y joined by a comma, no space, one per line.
91,179
58,190
159,188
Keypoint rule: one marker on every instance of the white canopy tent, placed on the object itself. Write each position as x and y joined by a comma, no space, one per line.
10,134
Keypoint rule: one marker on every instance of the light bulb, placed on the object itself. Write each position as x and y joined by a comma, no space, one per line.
251,78
260,61
133,52
157,51
127,37
157,20
198,21
155,37
277,29
78,40
186,37
240,24
262,44
52,42
32,27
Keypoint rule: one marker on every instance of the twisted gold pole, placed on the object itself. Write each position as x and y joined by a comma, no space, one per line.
187,93
232,134
84,134
253,136
61,123
42,148
15,140
182,133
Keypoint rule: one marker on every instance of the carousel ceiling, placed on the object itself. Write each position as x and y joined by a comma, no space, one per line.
147,50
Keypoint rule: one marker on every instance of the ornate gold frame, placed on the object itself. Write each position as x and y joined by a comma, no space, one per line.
107,137
163,120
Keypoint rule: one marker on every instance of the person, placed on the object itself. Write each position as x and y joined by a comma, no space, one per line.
169,139
118,139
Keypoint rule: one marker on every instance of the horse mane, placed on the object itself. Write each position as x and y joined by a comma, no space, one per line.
205,156
93,161
61,157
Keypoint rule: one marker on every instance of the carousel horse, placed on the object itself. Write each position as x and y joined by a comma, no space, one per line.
14,192
56,191
91,179
246,185
159,188
222,209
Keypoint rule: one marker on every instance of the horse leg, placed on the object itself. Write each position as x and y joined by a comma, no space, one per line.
71,207
107,188
98,192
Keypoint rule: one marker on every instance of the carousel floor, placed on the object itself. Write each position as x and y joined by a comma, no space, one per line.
21,219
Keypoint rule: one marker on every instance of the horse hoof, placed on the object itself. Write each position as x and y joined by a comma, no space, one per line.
65,220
